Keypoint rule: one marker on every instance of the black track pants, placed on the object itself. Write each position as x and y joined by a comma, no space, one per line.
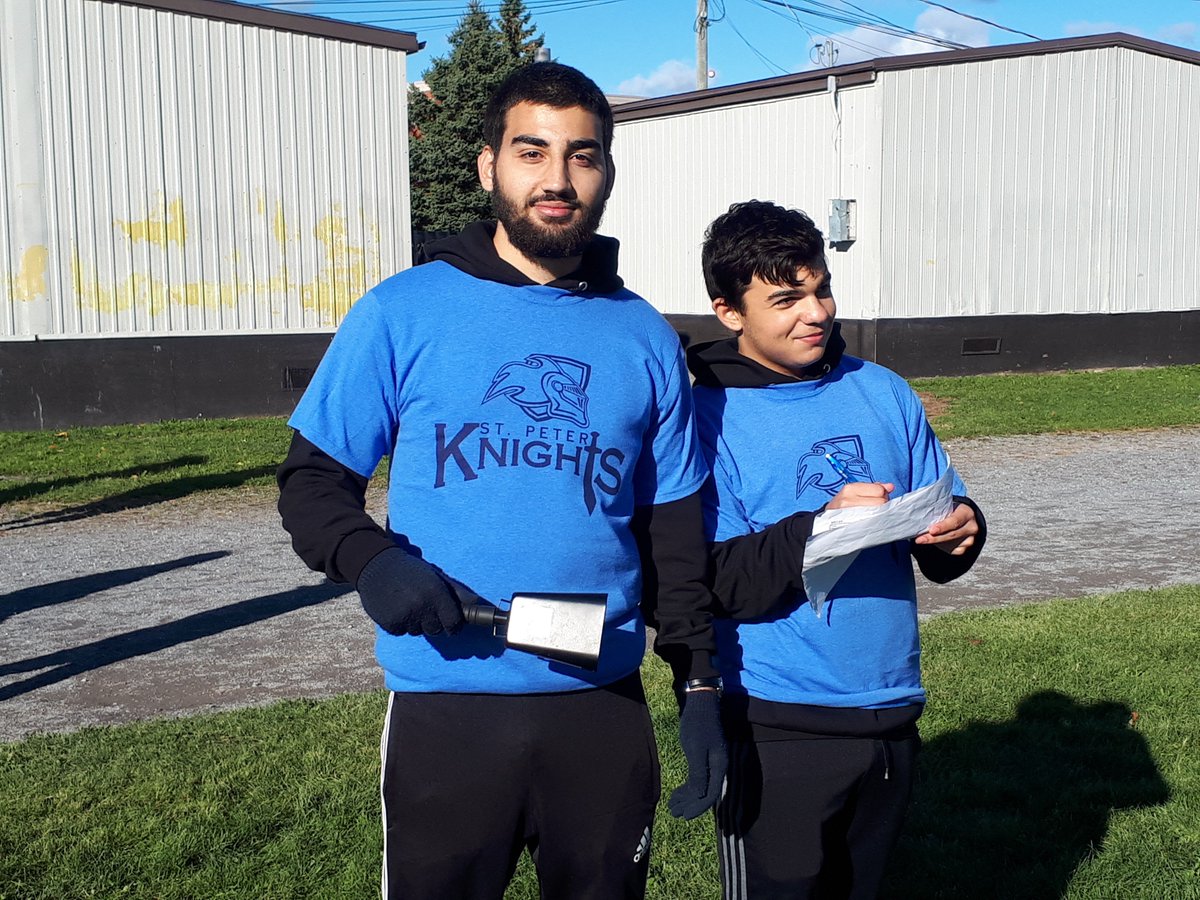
813,818
470,780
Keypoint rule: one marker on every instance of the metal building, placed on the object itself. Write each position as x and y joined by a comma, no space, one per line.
1034,206
192,194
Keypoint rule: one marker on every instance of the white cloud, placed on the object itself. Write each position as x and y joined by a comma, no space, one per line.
672,77
864,43
1181,33
948,26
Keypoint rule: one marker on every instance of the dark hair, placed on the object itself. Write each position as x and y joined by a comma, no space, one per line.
758,238
546,84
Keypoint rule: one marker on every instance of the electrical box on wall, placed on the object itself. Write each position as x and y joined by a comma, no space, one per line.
841,221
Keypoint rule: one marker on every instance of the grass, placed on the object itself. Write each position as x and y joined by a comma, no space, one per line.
123,466
1059,741
1110,400
1059,761
131,465
1059,752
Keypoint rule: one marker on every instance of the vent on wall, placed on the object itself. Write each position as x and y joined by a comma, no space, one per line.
296,378
981,346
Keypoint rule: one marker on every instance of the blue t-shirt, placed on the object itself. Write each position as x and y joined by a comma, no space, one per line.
767,447
524,424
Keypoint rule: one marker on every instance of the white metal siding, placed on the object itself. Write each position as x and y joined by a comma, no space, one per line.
675,174
1156,227
1067,182
171,174
1063,183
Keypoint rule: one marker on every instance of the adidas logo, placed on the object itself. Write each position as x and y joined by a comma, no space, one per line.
643,847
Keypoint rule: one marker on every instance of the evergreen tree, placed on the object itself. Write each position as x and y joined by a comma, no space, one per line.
519,31
447,126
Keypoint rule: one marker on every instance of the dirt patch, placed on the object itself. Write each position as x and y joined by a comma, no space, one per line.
934,406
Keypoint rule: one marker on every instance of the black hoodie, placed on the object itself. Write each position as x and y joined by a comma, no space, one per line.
472,251
322,502
760,574
757,572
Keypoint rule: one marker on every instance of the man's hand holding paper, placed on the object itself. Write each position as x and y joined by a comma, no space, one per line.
840,533
953,534
861,493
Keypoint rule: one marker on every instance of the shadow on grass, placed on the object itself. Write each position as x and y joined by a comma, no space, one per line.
64,664
32,490
1011,809
69,589
143,495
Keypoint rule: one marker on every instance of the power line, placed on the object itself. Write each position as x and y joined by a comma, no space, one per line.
753,49
549,8
430,17
796,20
823,11
977,19
878,18
841,16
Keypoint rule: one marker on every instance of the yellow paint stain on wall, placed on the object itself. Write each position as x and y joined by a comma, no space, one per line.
29,283
135,291
279,227
158,229
345,271
158,298
138,291
86,281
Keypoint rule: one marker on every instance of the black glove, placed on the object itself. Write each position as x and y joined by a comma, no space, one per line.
406,595
703,743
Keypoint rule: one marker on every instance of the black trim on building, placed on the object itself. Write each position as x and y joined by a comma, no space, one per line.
301,23
58,384
55,384
987,345
860,73
1044,343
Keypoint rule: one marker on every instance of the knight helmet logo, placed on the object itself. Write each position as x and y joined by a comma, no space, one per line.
813,470
545,387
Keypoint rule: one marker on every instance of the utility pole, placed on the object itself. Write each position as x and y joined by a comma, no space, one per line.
701,45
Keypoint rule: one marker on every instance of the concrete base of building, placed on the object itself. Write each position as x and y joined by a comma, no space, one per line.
56,384
984,345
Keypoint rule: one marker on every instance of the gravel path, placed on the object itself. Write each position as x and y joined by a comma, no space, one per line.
198,605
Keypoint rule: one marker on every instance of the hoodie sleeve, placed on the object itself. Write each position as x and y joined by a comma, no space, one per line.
676,600
323,506
757,571
759,575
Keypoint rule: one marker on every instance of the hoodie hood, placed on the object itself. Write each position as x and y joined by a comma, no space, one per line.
473,252
718,364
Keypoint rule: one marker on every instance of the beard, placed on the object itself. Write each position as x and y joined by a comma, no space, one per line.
538,240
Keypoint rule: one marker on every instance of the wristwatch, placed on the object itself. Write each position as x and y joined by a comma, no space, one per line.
707,683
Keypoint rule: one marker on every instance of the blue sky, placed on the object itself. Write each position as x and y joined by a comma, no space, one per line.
647,47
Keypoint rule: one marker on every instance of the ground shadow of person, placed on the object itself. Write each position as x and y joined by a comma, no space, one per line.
1011,809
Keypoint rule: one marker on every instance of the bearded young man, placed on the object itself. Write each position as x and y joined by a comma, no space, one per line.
538,420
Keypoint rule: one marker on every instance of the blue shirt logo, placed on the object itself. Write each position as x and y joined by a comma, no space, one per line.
545,387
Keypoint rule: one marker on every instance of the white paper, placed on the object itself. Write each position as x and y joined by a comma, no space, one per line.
839,534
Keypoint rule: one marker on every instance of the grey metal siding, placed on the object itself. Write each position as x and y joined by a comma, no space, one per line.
1053,178
675,174
1063,183
179,174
